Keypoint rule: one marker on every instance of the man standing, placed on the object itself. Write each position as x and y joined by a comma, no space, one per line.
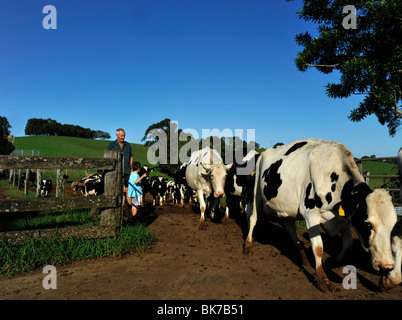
120,145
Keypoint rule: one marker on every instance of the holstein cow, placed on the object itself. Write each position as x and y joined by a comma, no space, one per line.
45,187
206,174
158,189
239,185
185,193
319,181
394,277
91,185
145,184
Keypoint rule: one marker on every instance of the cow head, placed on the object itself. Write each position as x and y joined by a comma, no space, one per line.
373,216
216,174
381,218
394,278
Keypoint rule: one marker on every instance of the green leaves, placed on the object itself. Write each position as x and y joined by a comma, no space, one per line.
368,58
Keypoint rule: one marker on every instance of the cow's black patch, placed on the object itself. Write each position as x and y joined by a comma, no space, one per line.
311,203
328,197
354,204
333,187
318,201
295,147
334,177
272,179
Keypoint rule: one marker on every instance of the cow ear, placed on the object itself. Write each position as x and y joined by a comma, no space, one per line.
207,167
228,166
206,176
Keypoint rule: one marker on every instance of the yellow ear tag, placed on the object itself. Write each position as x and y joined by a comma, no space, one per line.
341,211
253,174
184,178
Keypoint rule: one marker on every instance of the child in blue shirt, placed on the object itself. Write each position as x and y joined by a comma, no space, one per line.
134,187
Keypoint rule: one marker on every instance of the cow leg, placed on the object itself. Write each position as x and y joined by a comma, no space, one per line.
290,226
334,225
202,225
248,243
313,225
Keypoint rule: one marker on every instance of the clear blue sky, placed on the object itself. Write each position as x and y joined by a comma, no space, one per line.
204,63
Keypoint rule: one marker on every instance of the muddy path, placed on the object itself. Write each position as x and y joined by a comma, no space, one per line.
188,264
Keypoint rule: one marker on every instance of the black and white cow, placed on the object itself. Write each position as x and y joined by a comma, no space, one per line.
172,190
185,193
158,189
45,187
92,185
319,181
145,184
394,277
239,185
206,174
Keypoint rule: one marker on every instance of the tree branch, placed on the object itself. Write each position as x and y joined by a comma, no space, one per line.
319,65
397,112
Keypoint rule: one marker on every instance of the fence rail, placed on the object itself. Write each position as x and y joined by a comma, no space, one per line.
367,176
110,202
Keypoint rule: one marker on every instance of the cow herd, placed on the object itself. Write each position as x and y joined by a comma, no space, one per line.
313,180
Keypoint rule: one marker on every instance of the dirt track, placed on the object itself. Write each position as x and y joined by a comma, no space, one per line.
189,264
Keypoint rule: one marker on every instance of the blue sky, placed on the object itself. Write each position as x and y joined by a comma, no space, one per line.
225,64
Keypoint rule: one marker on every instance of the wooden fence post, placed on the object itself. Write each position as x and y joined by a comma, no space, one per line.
59,183
26,181
38,182
113,187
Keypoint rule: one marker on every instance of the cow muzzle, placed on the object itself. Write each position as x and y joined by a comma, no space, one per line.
382,268
219,195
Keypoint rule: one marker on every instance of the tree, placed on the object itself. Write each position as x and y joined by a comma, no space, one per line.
6,147
278,144
368,57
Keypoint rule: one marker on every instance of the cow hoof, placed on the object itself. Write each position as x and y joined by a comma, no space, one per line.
248,248
202,226
325,286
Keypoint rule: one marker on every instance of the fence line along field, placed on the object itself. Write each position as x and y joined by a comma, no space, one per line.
185,263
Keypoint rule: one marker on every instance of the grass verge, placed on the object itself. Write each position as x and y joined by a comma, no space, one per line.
35,253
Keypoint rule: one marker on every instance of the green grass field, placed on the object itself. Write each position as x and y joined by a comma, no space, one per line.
78,147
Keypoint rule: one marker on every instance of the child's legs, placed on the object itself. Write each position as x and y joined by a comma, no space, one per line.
134,210
135,203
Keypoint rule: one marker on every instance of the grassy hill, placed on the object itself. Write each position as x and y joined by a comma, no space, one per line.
76,147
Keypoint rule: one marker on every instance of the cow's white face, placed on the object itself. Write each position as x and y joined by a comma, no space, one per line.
218,174
381,219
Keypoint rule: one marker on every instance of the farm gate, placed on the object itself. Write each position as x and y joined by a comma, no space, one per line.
110,203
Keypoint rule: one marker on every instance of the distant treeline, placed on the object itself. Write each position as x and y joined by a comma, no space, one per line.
50,127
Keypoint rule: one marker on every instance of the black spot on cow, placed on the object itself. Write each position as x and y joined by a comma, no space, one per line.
317,201
354,204
333,187
272,179
311,203
328,197
334,177
295,147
